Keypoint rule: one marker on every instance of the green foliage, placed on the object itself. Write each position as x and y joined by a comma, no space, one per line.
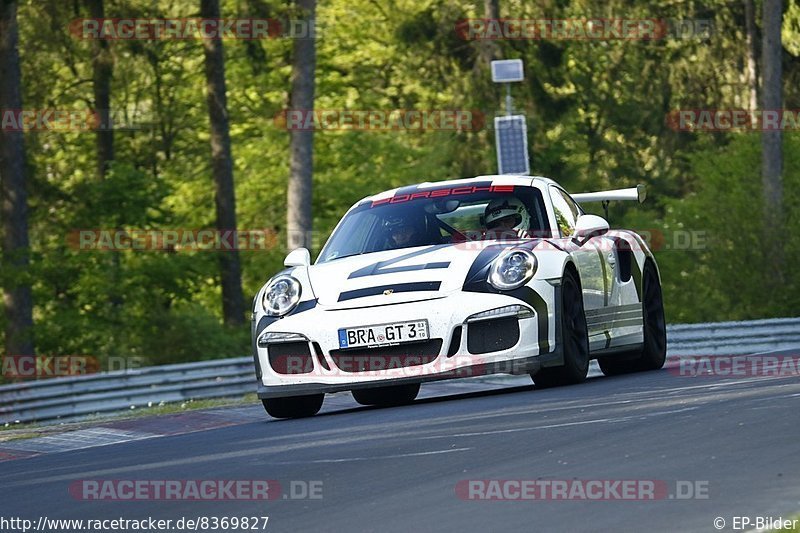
596,119
724,276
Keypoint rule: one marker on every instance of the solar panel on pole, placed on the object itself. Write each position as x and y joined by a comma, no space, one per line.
511,139
507,70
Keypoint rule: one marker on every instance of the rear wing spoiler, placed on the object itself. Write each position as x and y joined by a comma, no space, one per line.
637,193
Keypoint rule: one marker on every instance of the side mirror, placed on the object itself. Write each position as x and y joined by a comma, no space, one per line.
301,257
589,226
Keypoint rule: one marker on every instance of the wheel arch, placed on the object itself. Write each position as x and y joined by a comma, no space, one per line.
552,261
650,260
639,265
569,265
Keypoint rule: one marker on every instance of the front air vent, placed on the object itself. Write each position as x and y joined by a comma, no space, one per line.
492,335
290,358
386,357
455,343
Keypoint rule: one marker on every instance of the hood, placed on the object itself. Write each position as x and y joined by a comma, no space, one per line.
397,276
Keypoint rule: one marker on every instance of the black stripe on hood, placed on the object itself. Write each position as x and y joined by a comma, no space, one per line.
396,287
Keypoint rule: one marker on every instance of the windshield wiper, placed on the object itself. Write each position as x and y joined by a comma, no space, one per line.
343,256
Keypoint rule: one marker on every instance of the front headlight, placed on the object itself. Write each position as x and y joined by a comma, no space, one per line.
281,295
512,269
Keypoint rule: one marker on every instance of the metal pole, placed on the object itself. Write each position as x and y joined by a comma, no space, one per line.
508,99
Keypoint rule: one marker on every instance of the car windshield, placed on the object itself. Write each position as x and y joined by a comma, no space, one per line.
430,217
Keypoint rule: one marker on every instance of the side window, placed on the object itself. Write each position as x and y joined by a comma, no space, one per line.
576,211
565,210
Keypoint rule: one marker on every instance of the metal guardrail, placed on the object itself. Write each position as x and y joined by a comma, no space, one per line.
63,398
733,338
69,397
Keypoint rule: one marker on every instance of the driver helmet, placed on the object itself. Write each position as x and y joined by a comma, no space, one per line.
401,231
507,213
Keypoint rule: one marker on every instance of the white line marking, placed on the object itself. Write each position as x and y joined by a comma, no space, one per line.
648,415
516,430
375,458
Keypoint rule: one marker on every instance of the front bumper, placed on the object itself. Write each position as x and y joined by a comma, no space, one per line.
451,320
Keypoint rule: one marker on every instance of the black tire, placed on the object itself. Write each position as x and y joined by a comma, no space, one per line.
293,406
619,364
387,396
654,349
574,339
654,352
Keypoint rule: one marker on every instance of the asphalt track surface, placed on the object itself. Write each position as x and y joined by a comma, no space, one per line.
396,469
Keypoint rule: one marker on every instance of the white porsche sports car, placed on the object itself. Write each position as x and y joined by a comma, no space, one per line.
494,274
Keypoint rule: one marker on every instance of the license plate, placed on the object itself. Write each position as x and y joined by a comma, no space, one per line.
384,334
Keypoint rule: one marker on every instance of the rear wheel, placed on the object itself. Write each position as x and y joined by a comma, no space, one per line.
387,396
654,348
293,406
574,339
654,353
616,365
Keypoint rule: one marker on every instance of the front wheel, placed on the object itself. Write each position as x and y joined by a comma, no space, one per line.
293,406
387,396
574,339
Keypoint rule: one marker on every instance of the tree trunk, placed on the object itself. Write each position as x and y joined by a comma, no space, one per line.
488,48
750,43
491,9
102,67
17,297
772,161
771,139
301,163
102,72
222,167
